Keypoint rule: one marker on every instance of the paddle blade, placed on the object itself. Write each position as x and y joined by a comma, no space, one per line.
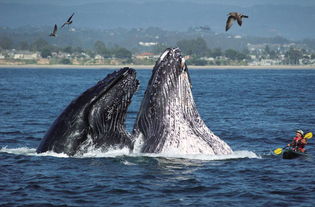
278,151
308,135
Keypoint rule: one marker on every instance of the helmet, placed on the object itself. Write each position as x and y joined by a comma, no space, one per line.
300,131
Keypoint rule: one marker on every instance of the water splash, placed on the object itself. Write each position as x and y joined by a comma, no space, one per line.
112,153
235,155
30,152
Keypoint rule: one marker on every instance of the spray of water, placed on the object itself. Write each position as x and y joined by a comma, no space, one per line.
112,153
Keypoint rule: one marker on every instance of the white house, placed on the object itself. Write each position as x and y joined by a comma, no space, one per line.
25,55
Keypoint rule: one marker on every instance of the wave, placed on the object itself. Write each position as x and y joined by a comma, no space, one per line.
112,153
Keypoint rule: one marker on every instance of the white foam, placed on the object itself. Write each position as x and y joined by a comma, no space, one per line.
112,153
234,155
138,143
128,163
30,152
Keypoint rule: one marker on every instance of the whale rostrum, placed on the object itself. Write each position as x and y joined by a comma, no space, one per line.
167,121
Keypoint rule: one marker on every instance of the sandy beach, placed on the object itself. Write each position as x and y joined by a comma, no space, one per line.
33,66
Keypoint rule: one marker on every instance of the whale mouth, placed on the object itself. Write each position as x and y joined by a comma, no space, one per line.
115,93
168,68
105,117
112,81
170,56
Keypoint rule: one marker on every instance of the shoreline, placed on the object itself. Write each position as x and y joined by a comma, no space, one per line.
31,66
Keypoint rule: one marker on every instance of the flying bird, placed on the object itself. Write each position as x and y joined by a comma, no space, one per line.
234,16
53,34
68,22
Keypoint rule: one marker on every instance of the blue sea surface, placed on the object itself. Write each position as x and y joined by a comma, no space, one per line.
254,111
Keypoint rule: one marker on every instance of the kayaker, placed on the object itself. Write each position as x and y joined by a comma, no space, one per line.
298,142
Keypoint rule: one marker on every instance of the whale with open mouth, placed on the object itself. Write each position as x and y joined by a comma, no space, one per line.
168,120
95,119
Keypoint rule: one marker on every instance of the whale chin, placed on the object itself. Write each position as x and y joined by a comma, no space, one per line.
168,120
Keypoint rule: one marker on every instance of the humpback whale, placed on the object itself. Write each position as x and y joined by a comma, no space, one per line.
95,119
168,120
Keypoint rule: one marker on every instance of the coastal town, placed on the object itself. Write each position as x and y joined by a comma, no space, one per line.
254,55
142,46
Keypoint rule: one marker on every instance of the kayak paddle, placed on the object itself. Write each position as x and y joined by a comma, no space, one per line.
278,151
308,135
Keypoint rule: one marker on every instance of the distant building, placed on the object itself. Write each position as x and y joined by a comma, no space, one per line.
209,59
60,55
26,55
146,55
265,62
99,57
148,44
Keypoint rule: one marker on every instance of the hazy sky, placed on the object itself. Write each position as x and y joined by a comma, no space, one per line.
267,17
242,3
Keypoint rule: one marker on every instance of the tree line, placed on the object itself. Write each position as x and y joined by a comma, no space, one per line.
194,47
46,49
197,49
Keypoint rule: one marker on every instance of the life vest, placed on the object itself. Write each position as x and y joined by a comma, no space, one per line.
297,145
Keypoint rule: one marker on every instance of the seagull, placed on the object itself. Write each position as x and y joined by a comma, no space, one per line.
68,21
53,34
234,16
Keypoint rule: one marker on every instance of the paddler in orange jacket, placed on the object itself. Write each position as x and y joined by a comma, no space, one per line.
298,142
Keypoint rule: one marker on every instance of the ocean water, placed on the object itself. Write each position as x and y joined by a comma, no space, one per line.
254,111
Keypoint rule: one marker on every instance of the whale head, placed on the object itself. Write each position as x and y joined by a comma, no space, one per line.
94,119
168,120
